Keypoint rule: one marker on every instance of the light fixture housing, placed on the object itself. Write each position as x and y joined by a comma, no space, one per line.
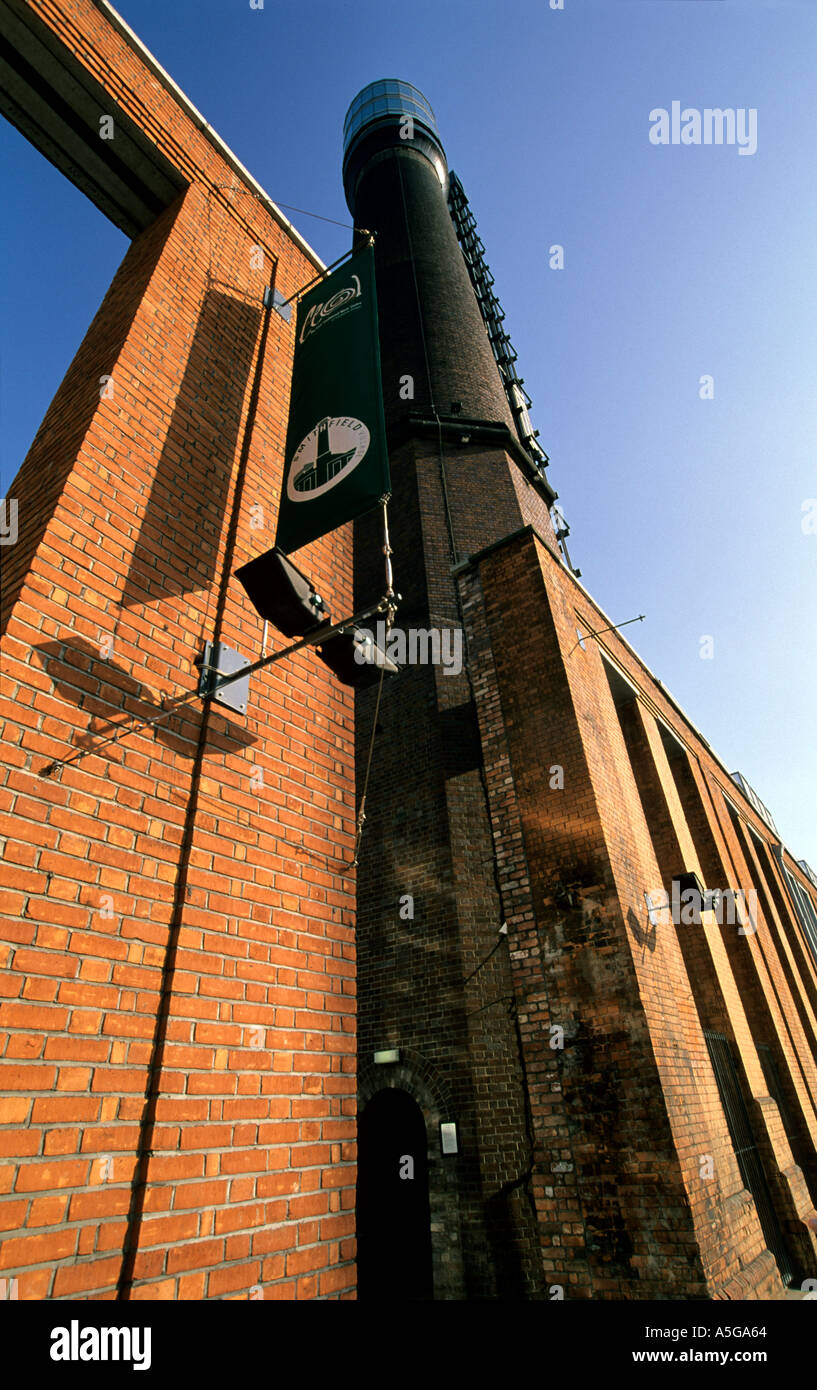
387,1057
448,1137
690,883
282,594
354,661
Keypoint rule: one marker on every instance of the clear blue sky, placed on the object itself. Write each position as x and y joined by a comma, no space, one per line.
679,261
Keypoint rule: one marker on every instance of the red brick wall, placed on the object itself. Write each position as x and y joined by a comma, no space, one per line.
625,1112
735,978
594,1099
178,1076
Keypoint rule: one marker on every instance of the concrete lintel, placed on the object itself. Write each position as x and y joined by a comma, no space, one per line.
57,105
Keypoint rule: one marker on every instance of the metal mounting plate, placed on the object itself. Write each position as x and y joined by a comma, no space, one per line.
273,299
217,661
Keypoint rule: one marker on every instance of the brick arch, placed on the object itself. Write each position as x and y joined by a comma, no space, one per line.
414,1074
420,1079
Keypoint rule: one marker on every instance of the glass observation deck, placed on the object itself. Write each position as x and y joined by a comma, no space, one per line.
387,98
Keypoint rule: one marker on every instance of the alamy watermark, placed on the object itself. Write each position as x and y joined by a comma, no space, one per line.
710,126
415,646
75,1343
729,906
8,520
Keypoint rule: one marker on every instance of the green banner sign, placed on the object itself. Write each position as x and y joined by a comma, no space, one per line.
336,464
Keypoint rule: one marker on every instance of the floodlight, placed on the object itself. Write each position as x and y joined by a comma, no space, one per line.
281,594
355,659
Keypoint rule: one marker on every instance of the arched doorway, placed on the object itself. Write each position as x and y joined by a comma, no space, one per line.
393,1217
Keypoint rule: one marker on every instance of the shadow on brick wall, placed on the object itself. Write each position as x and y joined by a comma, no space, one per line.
177,548
117,703
53,454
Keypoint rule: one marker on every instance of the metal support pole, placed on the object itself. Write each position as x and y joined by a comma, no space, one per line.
313,640
390,598
321,274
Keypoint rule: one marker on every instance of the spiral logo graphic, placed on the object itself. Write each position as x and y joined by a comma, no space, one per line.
319,313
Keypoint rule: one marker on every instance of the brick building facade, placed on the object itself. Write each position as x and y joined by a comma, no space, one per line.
179,906
178,1076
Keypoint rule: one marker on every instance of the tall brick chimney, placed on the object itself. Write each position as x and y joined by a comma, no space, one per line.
395,176
429,913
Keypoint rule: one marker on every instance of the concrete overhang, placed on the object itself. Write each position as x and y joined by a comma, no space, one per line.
57,104
459,429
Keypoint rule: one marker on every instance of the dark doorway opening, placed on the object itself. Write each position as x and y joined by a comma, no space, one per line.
393,1215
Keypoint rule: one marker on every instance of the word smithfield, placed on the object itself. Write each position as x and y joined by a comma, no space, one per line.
712,126
75,1343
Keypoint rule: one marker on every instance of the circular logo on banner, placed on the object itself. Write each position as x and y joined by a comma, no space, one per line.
327,455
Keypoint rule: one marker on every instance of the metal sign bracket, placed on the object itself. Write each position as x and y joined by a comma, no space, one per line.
218,660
